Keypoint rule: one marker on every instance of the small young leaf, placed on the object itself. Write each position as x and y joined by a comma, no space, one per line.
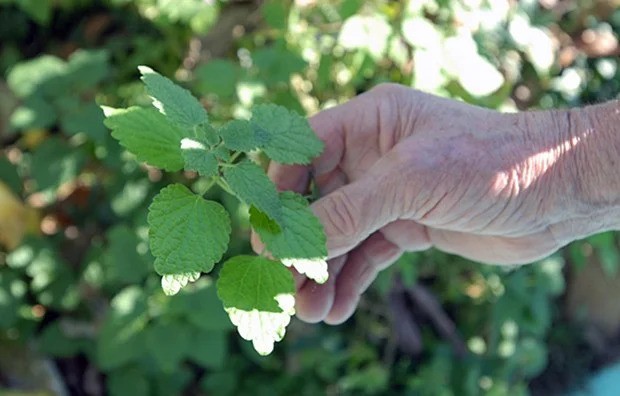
252,186
177,103
301,242
291,140
208,134
222,153
198,158
188,234
148,135
239,135
258,296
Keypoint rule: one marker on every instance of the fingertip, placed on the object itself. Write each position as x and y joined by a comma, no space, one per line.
300,280
289,177
342,310
373,255
314,301
256,243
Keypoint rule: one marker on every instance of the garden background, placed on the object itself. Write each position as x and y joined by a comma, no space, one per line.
81,309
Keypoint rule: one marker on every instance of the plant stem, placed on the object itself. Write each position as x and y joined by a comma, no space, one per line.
210,184
224,185
234,156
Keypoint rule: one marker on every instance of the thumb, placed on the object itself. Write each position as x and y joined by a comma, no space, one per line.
353,212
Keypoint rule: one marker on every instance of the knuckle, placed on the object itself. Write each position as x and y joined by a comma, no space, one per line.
387,89
340,214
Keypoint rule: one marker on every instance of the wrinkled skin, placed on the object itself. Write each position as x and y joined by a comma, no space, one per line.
404,171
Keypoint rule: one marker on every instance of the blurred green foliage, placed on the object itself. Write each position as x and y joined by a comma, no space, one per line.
83,288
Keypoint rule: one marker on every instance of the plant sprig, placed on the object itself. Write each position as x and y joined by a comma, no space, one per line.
188,234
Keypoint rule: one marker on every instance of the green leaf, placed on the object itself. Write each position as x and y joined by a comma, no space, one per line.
173,383
260,220
121,338
31,77
606,249
188,234
198,302
55,341
12,291
258,295
198,157
291,140
171,284
168,343
218,76
275,13
208,134
87,68
277,63
9,176
128,195
52,279
84,118
531,356
252,186
35,112
222,153
221,383
177,103
209,348
55,163
253,282
239,135
147,134
39,11
301,242
127,381
124,262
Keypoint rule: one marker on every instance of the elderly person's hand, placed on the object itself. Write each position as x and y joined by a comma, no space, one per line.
404,171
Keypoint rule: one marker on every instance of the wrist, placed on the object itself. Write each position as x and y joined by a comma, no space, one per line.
590,163
596,129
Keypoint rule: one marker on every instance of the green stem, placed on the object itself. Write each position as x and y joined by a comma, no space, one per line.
234,157
210,184
224,185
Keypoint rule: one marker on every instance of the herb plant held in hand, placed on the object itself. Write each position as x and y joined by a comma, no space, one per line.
188,234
